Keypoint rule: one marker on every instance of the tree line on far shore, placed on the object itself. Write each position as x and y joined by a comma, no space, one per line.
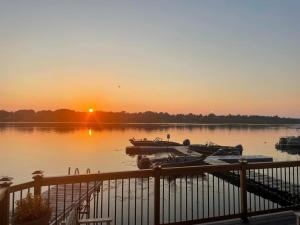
66,115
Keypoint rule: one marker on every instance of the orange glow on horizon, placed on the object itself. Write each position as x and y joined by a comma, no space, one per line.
91,110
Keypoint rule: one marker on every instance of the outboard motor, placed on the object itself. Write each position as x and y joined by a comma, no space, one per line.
239,148
143,162
186,142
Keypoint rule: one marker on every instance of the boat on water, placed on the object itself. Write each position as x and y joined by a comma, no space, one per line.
290,142
156,142
145,146
144,162
210,148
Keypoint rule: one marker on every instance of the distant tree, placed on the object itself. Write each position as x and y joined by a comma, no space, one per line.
24,115
66,115
5,116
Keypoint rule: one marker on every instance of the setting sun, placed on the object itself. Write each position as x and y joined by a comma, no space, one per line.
91,110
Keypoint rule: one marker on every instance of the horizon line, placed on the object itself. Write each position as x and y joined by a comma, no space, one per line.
103,111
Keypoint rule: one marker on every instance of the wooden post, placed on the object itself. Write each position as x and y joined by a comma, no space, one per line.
5,182
243,189
157,172
38,181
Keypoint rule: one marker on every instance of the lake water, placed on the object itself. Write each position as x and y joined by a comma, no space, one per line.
55,147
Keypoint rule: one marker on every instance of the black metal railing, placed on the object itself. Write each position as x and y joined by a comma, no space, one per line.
166,195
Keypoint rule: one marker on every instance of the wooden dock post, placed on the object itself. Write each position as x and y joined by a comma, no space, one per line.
38,181
5,182
157,172
243,189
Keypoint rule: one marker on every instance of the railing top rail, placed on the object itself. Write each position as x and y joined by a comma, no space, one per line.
190,170
19,187
84,178
266,165
193,170
137,174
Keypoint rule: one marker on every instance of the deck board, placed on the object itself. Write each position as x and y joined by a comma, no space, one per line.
284,218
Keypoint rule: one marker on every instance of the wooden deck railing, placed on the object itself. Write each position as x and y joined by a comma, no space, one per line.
166,195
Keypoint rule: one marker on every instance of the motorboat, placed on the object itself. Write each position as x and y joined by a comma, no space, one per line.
211,148
290,142
156,142
144,162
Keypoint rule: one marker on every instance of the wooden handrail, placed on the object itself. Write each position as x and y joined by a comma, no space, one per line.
84,178
190,170
19,187
194,170
266,165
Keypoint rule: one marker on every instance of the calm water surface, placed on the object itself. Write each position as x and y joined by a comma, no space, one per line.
55,147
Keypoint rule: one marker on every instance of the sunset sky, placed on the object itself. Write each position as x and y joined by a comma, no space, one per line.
220,56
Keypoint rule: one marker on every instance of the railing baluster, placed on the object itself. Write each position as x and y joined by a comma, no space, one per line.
142,196
169,200
219,202
180,198
233,197
148,199
56,203
213,194
224,206
175,203
163,199
197,184
122,200
128,202
298,182
192,195
186,199
13,203
272,171
64,212
157,174
264,200
135,201
116,187
277,184
228,195
108,198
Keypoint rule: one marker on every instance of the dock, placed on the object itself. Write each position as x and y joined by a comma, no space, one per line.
258,183
282,218
225,159
62,197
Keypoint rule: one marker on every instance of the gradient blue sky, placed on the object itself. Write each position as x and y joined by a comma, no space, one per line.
221,56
